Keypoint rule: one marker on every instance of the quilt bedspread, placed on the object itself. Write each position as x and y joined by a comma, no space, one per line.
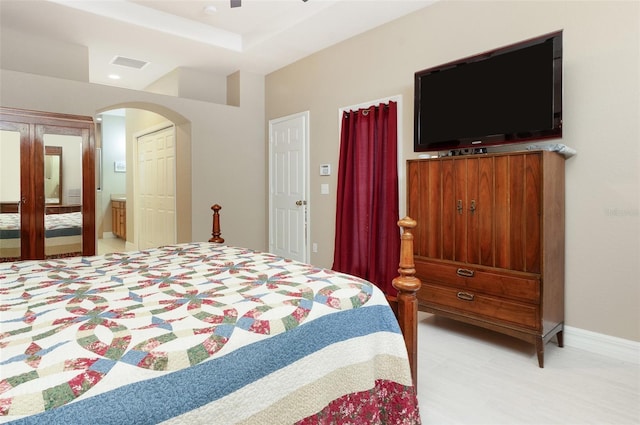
200,334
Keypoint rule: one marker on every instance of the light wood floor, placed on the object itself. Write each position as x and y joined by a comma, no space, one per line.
468,375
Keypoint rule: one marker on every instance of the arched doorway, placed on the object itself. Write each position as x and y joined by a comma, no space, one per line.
135,119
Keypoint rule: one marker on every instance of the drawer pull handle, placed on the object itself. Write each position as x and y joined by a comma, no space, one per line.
465,296
465,272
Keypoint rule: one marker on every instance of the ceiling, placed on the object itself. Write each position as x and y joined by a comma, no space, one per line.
260,37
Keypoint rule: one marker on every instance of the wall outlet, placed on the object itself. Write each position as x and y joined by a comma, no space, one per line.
314,247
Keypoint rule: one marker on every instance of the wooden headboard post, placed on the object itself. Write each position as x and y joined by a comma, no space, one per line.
216,225
407,285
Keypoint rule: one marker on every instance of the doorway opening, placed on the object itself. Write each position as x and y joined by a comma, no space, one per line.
117,198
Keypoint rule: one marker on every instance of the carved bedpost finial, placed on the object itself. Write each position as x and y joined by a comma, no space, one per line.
407,285
216,225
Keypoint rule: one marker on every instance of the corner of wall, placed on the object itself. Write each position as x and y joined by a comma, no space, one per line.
233,89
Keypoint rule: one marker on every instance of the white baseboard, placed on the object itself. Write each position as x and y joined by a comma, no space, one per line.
611,346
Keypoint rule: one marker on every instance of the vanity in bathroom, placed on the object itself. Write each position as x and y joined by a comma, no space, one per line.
119,216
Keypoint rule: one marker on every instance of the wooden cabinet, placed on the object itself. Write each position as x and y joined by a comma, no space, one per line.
489,245
119,218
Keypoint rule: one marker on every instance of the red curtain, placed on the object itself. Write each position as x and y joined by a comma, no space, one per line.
367,242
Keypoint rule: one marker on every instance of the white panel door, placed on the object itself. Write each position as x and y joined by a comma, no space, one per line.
288,147
156,200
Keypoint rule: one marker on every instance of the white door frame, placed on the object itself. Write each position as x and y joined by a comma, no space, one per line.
307,228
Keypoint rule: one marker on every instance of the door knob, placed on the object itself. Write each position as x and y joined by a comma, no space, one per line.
300,203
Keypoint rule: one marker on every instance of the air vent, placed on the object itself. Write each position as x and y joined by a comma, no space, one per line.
128,62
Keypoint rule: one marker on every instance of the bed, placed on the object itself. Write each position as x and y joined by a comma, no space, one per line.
63,231
204,333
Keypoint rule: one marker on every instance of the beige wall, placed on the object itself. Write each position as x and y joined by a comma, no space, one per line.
601,110
226,160
56,59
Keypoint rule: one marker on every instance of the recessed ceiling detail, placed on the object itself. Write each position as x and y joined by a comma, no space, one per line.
128,62
259,37
157,20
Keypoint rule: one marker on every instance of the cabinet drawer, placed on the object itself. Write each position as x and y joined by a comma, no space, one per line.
487,281
479,305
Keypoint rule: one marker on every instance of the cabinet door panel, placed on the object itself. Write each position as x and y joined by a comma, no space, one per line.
481,210
501,211
470,203
449,212
433,197
460,217
517,210
485,206
533,209
414,210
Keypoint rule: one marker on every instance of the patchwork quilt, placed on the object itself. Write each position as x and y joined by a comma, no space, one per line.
197,333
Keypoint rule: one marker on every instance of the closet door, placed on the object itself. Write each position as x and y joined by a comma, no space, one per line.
14,141
63,188
54,201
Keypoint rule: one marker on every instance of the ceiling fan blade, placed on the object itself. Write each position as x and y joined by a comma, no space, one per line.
236,3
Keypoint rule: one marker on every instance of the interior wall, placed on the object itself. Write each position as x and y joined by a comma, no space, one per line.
216,132
191,84
601,110
114,148
56,59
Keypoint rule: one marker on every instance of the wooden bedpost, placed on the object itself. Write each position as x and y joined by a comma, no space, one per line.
216,225
407,285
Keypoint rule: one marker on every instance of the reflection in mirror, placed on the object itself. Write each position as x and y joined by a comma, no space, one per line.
53,175
9,195
63,219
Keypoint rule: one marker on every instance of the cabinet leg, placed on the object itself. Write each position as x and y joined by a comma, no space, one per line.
560,337
540,351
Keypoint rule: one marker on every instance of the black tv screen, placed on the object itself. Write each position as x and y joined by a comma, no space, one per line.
508,95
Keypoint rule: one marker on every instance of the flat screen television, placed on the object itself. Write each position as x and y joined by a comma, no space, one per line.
509,95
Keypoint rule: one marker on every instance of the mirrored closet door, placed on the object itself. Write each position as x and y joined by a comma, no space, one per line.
47,189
